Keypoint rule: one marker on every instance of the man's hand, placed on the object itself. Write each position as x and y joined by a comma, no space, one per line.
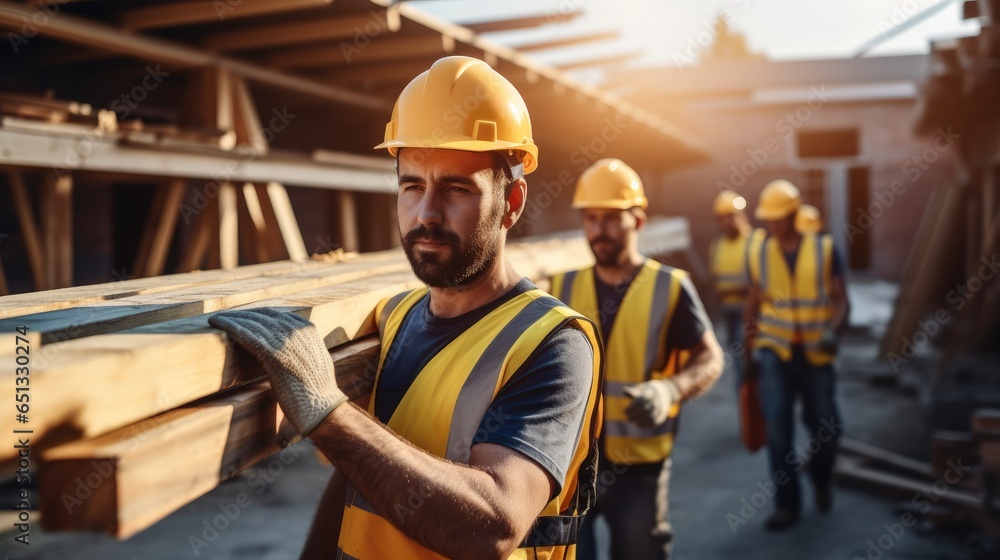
651,402
297,362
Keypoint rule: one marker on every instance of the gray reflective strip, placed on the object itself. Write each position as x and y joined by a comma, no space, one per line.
786,325
477,392
354,498
765,336
567,288
614,428
763,263
388,309
343,556
657,316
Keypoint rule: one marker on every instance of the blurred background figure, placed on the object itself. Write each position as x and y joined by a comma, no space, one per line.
727,268
808,220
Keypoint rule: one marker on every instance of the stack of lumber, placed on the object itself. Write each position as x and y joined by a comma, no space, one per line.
139,407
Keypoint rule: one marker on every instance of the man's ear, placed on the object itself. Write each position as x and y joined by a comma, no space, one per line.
516,200
640,218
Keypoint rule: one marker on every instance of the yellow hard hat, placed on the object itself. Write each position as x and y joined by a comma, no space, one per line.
609,183
779,199
461,103
728,202
808,219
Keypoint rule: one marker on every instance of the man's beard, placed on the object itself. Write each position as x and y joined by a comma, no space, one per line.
611,252
458,266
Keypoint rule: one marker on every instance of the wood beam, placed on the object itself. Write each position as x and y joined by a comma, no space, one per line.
57,227
601,61
229,232
256,224
342,53
264,36
160,243
249,131
188,13
81,31
32,240
348,222
397,71
567,41
522,22
209,442
148,229
287,224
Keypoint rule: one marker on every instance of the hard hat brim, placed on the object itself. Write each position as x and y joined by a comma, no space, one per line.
530,150
612,204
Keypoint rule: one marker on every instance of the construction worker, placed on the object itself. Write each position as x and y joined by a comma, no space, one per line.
485,405
661,351
798,305
808,220
727,267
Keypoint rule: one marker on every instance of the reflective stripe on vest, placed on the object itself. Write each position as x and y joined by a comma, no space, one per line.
635,352
449,400
794,308
727,265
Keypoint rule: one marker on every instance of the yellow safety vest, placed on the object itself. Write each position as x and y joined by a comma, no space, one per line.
727,265
635,352
794,308
446,403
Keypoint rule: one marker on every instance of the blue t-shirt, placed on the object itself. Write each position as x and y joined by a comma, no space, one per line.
538,413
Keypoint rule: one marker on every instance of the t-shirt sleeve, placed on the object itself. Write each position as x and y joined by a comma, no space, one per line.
541,410
690,322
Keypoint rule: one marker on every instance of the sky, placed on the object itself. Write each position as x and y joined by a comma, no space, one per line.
668,32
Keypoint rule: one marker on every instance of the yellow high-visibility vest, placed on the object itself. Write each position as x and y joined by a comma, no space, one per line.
635,352
794,308
446,403
727,265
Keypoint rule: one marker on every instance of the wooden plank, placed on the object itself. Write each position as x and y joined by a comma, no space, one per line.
895,461
149,229
255,224
188,13
567,41
209,441
249,131
340,53
348,222
522,22
32,240
306,31
52,327
229,233
57,225
848,471
160,367
287,224
160,242
37,302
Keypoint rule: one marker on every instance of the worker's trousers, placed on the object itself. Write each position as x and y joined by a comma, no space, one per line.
781,384
732,324
632,499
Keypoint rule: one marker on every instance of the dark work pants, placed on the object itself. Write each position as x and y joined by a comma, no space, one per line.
781,384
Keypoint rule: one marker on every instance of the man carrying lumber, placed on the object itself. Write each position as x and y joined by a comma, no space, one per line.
478,441
661,351
727,267
798,304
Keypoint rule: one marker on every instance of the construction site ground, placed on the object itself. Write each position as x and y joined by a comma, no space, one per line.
266,511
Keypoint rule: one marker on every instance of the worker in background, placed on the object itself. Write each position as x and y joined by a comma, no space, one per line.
799,306
661,351
486,404
727,268
808,220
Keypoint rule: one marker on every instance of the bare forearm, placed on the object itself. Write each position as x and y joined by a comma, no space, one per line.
446,507
702,370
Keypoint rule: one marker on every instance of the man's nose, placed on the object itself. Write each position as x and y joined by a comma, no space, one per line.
430,211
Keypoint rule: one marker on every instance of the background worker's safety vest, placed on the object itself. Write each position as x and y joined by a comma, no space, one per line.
727,265
794,308
445,405
635,352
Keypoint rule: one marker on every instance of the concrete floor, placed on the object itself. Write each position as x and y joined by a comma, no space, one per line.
712,475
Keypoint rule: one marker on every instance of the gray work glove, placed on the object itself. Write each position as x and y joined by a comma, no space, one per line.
651,401
297,363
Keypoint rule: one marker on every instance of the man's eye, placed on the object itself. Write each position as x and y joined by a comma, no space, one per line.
410,188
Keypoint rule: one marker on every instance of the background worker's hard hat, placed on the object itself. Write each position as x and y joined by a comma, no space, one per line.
461,103
779,199
728,202
808,219
609,183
